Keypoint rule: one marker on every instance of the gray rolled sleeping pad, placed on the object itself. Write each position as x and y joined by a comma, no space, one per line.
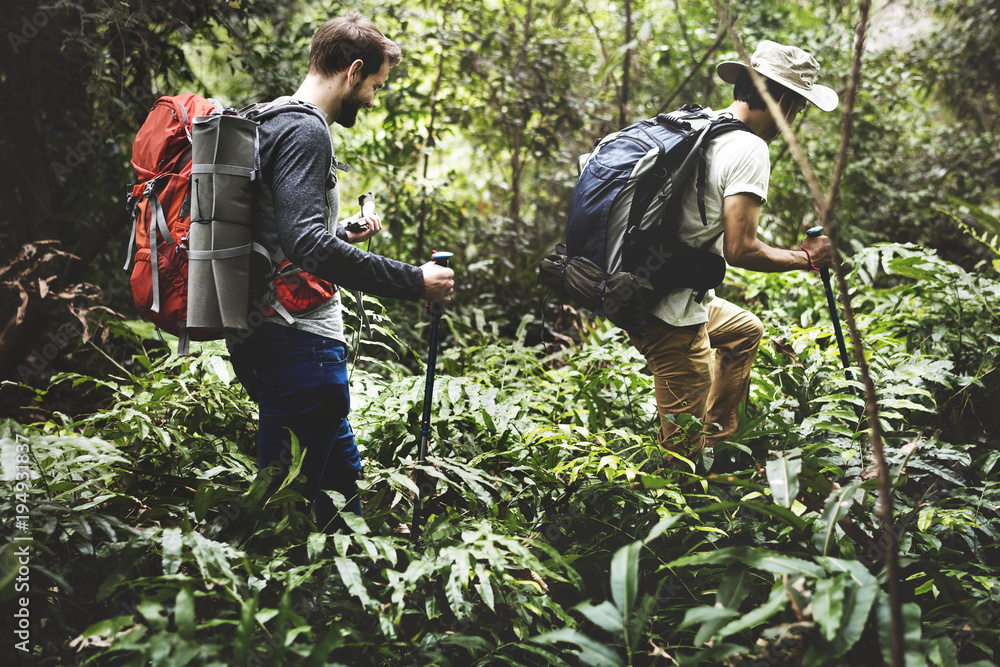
222,173
223,168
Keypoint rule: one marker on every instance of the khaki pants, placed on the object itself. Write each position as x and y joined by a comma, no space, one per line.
686,379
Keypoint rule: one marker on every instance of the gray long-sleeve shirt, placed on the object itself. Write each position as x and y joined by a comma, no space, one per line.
297,205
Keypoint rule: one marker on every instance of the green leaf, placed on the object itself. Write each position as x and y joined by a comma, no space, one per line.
355,523
828,605
320,653
135,551
548,658
990,461
245,630
485,587
203,500
109,627
220,368
943,652
213,558
151,610
351,575
912,646
777,601
661,527
706,615
733,590
171,542
625,580
296,466
592,653
458,582
762,559
315,544
404,481
605,616
654,482
777,511
783,476
728,597
184,612
258,487
836,508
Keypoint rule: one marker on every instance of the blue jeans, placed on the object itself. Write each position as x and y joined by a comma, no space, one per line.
300,382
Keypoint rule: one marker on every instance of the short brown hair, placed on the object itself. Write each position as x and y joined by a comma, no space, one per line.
342,40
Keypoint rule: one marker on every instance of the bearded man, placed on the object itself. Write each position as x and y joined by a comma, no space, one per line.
294,365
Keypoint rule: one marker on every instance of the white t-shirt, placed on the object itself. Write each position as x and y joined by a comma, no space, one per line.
738,162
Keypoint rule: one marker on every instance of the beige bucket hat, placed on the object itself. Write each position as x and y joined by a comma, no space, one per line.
788,65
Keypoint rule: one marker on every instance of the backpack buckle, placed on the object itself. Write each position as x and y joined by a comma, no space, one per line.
147,190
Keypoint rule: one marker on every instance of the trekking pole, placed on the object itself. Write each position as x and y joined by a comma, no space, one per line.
831,302
436,308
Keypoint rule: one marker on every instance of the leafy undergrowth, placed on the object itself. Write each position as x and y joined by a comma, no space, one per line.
556,533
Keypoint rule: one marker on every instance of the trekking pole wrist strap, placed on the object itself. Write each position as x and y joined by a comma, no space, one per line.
812,267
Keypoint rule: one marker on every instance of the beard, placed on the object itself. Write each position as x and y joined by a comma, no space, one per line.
350,107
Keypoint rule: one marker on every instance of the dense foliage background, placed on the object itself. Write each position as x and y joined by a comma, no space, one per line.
557,535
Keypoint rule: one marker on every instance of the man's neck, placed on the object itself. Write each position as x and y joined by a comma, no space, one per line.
758,120
325,92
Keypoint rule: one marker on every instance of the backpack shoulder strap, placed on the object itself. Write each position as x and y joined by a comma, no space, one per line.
263,111
715,128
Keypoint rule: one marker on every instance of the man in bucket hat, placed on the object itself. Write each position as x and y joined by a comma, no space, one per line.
678,340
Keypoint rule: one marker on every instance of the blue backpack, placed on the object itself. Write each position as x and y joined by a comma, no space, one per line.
621,251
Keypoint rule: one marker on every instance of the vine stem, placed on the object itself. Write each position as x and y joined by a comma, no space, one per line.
824,205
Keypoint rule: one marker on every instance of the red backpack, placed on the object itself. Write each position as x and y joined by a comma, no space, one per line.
160,206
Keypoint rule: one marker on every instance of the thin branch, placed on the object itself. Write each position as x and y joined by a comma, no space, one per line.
694,70
684,31
850,95
597,32
626,66
426,149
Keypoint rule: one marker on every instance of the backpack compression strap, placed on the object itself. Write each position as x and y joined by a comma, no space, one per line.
157,221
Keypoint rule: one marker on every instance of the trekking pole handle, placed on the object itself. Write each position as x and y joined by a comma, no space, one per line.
441,257
816,231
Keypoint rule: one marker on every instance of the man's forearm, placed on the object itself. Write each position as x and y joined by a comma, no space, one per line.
743,249
761,257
